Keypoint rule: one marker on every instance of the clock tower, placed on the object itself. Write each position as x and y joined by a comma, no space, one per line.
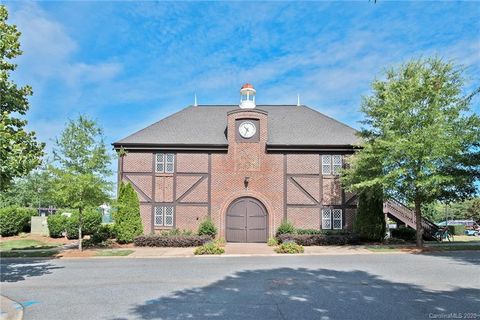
247,132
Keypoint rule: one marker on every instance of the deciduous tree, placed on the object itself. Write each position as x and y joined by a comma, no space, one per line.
421,140
81,167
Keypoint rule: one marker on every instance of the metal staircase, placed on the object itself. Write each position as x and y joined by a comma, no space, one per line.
399,212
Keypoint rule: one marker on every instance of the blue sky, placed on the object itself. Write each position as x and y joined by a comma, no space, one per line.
128,64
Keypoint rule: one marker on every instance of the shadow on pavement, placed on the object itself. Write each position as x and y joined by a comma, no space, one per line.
467,256
287,293
14,270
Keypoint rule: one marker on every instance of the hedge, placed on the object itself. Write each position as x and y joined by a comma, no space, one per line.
128,223
404,233
171,241
457,229
92,220
14,220
56,225
319,239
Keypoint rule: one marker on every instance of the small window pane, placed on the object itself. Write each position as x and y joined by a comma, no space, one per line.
326,219
337,218
326,164
169,162
160,162
168,216
158,216
337,164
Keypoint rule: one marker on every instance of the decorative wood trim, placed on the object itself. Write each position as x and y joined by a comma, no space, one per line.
186,193
302,175
152,209
138,189
193,204
291,205
349,202
305,192
174,192
191,173
285,186
209,196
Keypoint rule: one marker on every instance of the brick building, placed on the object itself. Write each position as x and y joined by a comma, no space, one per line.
246,166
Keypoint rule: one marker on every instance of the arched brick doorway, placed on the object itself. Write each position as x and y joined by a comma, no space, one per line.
246,221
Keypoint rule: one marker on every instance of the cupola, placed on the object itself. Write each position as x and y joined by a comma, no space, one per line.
247,96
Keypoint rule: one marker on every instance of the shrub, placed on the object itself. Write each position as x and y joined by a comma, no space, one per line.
56,225
71,226
404,233
209,248
220,242
207,227
369,221
272,242
289,247
14,220
285,227
171,241
309,231
457,229
176,232
92,220
128,223
103,233
319,239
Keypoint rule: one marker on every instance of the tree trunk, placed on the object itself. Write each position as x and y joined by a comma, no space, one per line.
80,223
418,223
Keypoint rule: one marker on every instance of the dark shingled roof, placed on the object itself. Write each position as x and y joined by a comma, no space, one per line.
206,125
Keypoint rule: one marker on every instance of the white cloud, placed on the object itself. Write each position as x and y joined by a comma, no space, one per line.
48,51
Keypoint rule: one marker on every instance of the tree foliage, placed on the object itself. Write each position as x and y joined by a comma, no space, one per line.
33,190
128,223
421,141
370,222
20,152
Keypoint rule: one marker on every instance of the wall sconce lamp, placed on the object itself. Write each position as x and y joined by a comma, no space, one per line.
246,181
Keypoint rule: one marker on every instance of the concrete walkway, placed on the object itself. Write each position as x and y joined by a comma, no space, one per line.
248,249
9,309
158,252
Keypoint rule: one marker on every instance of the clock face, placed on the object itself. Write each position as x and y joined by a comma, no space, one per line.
247,129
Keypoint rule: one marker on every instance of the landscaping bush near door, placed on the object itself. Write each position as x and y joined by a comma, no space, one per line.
285,228
289,247
404,233
209,248
207,228
158,240
14,220
319,239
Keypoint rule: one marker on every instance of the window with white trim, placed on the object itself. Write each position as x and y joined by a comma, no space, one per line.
163,216
164,162
337,219
326,219
332,219
331,164
326,164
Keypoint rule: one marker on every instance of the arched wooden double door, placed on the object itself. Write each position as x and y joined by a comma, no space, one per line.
246,221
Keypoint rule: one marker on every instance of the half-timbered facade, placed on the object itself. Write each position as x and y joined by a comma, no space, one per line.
247,167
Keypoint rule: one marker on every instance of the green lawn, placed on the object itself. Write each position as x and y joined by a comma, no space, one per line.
113,253
25,244
27,254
